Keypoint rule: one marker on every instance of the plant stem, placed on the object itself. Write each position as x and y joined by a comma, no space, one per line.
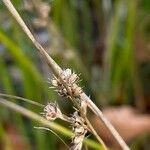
95,133
89,125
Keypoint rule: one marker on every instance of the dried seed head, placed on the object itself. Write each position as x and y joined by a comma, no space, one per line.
80,129
78,123
76,91
71,79
52,111
77,142
66,73
54,82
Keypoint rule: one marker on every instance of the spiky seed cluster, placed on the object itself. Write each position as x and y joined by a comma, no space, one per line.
70,79
80,129
52,111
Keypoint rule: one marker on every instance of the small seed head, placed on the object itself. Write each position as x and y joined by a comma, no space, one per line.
80,129
71,79
52,111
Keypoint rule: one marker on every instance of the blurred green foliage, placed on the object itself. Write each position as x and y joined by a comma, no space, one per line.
106,41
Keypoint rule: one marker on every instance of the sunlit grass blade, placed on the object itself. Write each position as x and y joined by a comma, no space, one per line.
21,98
43,128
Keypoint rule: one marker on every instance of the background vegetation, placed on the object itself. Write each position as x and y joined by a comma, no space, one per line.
106,41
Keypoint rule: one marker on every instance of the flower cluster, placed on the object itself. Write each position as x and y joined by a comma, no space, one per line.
52,111
80,129
70,79
66,86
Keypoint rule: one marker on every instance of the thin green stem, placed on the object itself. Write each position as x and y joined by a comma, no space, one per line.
21,98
